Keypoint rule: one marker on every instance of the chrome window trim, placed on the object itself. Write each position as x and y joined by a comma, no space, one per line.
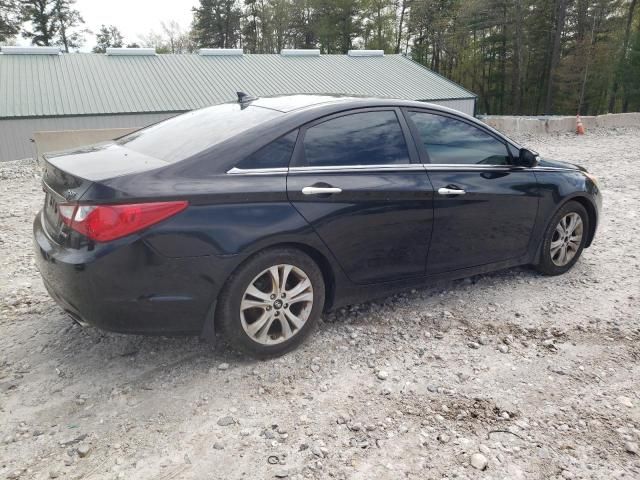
390,168
360,168
257,171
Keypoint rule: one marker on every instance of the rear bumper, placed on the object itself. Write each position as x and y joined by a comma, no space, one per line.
126,286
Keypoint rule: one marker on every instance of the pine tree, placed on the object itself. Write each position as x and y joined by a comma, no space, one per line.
216,23
40,14
9,19
67,19
107,37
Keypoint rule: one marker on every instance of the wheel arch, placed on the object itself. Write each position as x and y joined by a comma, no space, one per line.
591,211
328,275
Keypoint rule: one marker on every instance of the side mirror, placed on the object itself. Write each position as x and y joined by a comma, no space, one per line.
527,158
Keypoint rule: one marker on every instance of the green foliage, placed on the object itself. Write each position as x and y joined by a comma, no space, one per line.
67,19
9,19
41,15
216,24
52,22
107,37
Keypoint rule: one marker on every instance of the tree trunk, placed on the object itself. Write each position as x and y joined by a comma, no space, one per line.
560,15
516,77
400,25
623,57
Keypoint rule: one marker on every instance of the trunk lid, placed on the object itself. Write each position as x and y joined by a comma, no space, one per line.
68,175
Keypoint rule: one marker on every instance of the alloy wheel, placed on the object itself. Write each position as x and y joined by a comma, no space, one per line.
566,239
276,304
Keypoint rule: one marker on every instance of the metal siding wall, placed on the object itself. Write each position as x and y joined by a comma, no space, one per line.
15,135
464,105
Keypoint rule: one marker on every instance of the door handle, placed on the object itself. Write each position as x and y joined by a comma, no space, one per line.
451,191
320,190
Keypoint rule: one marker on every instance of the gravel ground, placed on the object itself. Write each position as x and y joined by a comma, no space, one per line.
504,376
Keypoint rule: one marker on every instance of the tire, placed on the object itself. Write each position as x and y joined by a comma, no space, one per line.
554,263
258,318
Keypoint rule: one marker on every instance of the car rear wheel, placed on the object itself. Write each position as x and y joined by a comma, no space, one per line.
564,240
270,304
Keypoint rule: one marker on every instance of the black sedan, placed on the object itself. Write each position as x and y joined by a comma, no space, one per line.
255,217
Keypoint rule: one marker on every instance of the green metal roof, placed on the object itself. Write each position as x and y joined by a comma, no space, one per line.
93,84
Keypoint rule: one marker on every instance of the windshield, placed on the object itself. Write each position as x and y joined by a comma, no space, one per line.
185,135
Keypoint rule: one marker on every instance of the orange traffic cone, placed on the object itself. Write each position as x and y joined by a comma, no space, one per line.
579,126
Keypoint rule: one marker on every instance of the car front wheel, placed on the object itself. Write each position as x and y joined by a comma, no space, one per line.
270,304
564,240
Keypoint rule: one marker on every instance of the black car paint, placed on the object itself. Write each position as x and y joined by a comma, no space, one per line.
371,241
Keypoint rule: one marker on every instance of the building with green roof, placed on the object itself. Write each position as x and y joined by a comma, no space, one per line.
42,89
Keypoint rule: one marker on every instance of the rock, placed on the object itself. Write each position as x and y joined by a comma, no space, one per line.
317,451
503,349
483,340
226,421
484,449
342,419
355,427
15,474
218,446
83,449
315,368
444,438
382,375
479,461
54,473
626,401
631,447
223,366
473,345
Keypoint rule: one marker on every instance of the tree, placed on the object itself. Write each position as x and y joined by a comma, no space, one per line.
554,57
623,65
107,37
519,56
156,41
66,19
216,23
52,22
9,19
178,41
41,15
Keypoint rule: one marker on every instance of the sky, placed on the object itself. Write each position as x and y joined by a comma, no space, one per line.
132,17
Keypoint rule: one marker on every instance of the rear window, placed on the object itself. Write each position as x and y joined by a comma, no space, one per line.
275,155
185,135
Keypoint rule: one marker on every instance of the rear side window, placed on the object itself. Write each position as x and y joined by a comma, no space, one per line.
185,135
451,141
274,155
368,138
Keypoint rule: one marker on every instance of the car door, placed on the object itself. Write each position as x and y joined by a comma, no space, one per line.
352,178
484,206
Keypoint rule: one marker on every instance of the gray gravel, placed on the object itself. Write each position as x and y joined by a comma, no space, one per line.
521,375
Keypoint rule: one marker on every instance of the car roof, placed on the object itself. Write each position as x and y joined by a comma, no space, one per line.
291,103
288,103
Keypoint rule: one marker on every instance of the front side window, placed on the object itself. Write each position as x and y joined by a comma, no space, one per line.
367,138
451,141
274,155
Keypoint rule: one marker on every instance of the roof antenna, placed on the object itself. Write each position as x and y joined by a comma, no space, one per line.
245,98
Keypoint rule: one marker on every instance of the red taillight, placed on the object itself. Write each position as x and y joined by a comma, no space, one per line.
103,223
